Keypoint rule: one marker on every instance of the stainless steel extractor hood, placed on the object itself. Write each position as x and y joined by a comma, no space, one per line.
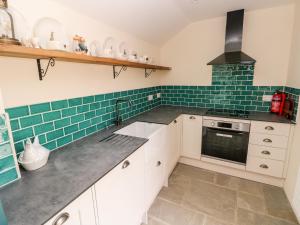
233,43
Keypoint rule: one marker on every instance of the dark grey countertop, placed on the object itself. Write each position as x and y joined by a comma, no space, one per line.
166,114
71,170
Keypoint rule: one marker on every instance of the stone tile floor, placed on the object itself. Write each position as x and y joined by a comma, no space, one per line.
200,197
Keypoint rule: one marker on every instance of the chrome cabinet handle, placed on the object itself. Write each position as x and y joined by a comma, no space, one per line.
266,152
264,166
61,219
269,128
267,140
125,164
192,118
175,121
158,163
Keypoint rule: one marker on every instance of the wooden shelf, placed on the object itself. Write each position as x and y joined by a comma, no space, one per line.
33,53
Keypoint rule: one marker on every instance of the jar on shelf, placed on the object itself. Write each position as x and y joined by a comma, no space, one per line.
7,26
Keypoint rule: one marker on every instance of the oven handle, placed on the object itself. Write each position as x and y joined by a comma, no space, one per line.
224,135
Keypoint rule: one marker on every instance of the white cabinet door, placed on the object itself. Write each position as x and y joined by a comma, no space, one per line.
173,145
79,212
192,136
155,165
120,194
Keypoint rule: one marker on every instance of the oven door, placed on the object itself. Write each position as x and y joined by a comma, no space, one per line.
225,144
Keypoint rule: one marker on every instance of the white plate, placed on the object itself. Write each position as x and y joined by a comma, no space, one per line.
95,48
43,29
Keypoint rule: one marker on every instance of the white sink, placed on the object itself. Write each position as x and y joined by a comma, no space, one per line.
140,129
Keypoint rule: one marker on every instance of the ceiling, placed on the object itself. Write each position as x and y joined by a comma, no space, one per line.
156,21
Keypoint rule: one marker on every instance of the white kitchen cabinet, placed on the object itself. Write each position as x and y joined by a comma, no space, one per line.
270,128
173,145
268,148
120,194
155,165
79,212
192,136
265,166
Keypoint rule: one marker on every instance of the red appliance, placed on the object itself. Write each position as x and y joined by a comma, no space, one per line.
278,101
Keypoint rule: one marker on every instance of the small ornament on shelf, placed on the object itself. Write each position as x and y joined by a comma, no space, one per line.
79,45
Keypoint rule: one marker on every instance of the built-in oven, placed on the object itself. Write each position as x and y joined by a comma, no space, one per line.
227,141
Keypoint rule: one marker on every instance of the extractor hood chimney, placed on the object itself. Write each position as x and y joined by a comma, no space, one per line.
233,43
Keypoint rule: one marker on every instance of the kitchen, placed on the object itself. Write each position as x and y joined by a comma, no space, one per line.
106,119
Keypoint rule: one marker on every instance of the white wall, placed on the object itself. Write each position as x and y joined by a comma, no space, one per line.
294,81
19,77
294,70
267,38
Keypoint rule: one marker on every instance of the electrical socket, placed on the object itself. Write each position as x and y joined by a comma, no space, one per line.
267,98
158,95
150,97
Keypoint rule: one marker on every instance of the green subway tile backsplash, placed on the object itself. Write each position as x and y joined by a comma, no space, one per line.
39,108
8,176
18,112
58,123
7,163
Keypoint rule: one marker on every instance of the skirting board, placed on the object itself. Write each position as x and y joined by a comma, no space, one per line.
233,172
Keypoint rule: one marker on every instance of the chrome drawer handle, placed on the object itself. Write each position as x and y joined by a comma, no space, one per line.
158,163
266,152
267,140
269,128
264,166
125,164
61,219
192,118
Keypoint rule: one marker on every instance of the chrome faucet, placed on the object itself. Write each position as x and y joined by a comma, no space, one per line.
118,120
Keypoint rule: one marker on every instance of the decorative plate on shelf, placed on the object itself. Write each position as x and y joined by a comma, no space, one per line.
49,28
109,47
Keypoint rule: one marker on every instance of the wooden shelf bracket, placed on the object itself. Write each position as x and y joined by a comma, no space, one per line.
117,73
43,72
149,72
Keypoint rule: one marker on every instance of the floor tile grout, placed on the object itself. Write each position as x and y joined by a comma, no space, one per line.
235,196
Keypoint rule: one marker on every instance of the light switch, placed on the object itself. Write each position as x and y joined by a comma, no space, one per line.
150,97
158,95
267,98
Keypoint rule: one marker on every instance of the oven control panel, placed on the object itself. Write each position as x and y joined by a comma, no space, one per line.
236,126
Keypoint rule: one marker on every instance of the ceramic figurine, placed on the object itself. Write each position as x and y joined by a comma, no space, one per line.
79,45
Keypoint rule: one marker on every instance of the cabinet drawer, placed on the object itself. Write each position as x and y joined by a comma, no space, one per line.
269,140
267,152
270,128
265,166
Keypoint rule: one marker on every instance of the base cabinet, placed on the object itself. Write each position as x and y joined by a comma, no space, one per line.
79,212
173,143
155,165
120,194
192,136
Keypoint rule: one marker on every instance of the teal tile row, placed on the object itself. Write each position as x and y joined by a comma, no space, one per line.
61,122
236,97
233,75
8,176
